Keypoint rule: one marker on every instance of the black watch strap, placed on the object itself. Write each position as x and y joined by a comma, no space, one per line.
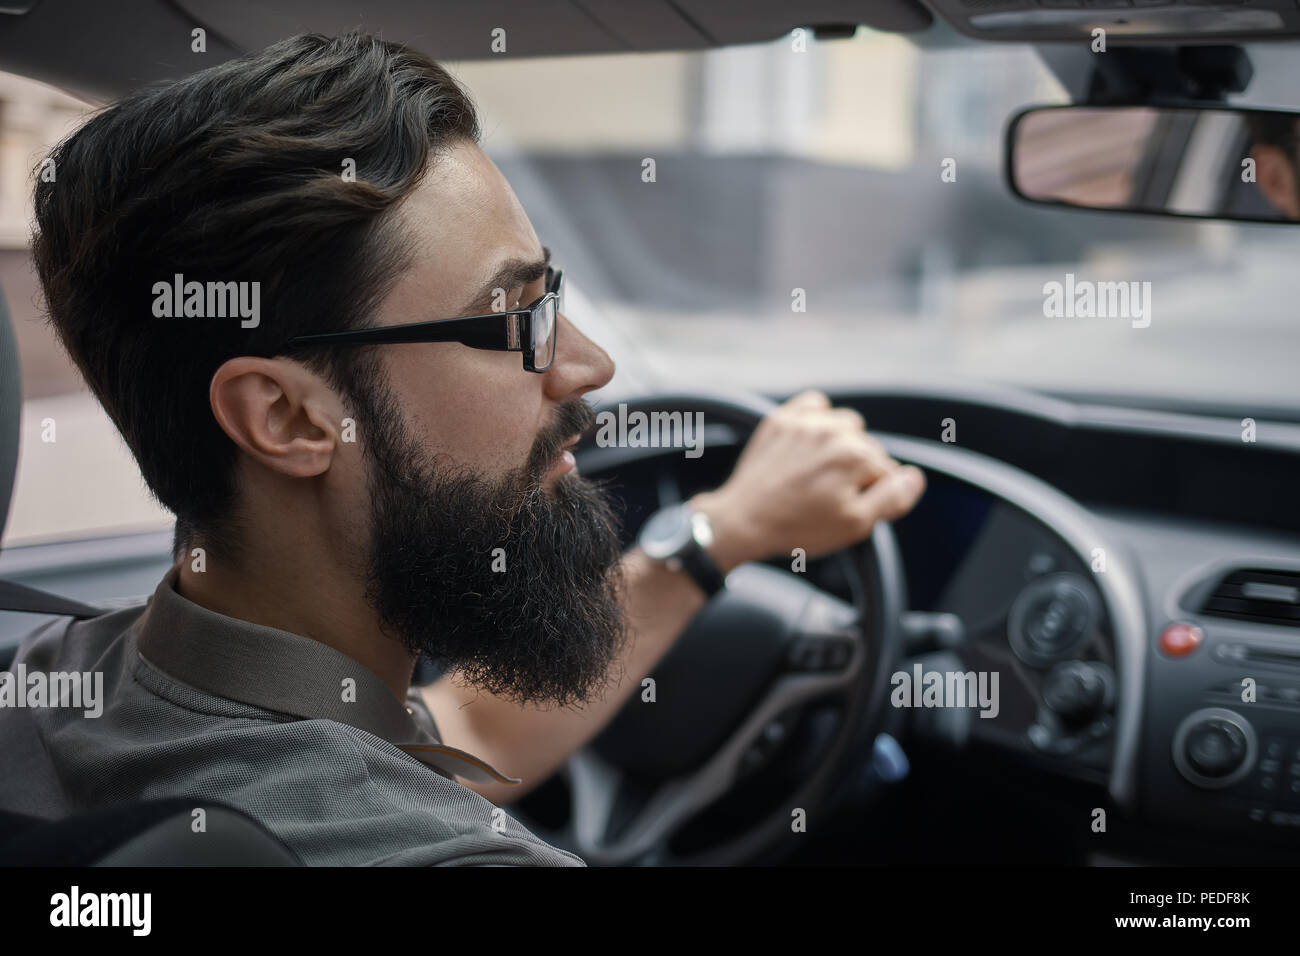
699,564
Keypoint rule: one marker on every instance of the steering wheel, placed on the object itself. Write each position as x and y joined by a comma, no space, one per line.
727,697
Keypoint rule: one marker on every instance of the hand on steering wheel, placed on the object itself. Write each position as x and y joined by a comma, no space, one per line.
810,478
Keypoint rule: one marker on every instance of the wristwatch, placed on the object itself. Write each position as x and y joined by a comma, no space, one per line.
678,536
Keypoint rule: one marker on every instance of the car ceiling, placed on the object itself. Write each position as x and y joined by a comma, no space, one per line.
101,50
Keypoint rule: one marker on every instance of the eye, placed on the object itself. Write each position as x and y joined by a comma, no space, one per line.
532,291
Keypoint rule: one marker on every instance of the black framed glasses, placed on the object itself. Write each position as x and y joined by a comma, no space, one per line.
531,330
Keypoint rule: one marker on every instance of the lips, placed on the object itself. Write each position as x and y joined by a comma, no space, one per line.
552,449
564,461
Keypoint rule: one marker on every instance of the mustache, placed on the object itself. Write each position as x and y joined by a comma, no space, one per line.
573,417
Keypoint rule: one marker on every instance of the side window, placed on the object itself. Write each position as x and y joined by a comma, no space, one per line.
75,477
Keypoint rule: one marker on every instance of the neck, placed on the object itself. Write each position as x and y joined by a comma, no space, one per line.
324,604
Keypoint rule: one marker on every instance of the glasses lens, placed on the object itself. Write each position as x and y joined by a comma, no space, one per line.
544,333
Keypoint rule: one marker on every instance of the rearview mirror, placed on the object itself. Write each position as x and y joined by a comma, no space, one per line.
1214,162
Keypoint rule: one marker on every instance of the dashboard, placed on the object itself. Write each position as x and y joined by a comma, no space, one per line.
1145,653
1029,611
1221,734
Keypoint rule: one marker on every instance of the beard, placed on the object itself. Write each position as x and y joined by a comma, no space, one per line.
516,589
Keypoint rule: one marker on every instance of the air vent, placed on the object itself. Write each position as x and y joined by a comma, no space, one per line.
1258,595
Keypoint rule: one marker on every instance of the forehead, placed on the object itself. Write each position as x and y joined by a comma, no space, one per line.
463,221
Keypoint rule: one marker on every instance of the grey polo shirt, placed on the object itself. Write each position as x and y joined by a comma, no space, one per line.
292,732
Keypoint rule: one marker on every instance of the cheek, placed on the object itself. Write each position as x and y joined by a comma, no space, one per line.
473,407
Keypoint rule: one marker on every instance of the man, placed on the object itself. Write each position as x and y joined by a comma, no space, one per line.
1275,148
347,500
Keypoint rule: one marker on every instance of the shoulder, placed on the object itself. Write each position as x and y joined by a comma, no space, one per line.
447,824
60,643
341,796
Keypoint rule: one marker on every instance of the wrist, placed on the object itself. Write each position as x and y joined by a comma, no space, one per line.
731,544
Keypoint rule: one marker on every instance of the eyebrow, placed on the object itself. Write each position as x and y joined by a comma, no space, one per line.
513,273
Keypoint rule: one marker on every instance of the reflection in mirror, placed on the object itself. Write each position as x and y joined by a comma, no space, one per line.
1222,163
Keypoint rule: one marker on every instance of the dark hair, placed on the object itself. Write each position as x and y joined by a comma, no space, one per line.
235,173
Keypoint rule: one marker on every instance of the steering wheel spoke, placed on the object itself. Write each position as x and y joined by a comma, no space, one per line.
824,659
829,638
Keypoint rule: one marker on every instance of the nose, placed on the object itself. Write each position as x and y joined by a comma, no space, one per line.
580,364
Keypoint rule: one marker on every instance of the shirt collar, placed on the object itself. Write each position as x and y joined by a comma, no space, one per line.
290,674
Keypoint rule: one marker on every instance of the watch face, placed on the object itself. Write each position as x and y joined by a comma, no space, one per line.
666,532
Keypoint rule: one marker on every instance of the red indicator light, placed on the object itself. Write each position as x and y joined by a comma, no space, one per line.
1179,640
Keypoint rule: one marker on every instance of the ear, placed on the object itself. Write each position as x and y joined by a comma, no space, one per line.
1276,177
281,414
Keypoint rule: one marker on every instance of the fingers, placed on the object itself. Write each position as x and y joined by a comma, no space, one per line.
812,475
810,415
848,418
809,401
862,456
813,408
891,497
888,490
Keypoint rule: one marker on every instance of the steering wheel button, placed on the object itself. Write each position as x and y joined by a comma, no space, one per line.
837,655
1179,640
806,654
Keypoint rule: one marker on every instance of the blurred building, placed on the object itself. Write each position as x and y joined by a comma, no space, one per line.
33,117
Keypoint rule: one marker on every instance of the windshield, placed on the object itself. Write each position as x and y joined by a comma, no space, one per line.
771,217
834,213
